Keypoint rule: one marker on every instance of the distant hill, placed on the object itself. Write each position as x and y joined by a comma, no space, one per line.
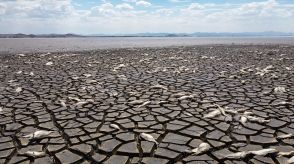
196,34
20,35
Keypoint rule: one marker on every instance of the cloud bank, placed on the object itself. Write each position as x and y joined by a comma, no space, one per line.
135,16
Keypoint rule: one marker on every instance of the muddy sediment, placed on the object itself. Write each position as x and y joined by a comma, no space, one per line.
97,103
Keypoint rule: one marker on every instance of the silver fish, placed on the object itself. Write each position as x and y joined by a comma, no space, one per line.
18,89
35,153
238,155
202,148
74,98
136,102
285,136
186,97
114,126
222,110
291,160
264,152
158,86
290,153
49,63
257,119
144,104
280,90
148,137
38,134
243,120
212,114
62,103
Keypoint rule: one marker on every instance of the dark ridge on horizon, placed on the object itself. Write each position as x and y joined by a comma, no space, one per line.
195,34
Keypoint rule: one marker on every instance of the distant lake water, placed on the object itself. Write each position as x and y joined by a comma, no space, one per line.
27,45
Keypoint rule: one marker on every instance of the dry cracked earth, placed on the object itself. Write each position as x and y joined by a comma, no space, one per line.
97,105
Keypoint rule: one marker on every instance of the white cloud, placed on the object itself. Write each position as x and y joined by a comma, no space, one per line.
41,16
165,11
124,6
2,9
132,1
195,6
105,9
143,3
178,1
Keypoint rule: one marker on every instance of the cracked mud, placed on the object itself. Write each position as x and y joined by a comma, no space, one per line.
148,105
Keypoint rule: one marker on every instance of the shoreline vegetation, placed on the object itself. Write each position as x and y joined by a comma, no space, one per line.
196,34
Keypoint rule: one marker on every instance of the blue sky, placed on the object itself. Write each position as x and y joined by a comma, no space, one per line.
136,16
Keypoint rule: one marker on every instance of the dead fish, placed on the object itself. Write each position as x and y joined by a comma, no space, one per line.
144,104
75,77
257,119
49,63
243,120
202,148
280,90
84,102
62,103
187,114
38,134
22,55
114,126
87,75
285,136
18,72
212,114
282,103
74,98
148,137
136,102
18,89
238,155
264,152
158,86
91,81
291,160
35,154
222,110
241,110
113,93
231,111
290,153
247,113
32,74
288,68
161,102
186,97
118,67
177,95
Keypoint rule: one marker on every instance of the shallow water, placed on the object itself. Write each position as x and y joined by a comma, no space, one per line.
27,45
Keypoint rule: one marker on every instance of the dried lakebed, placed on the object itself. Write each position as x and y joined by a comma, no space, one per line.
202,104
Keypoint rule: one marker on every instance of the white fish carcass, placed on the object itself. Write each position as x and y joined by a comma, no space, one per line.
264,152
148,137
202,148
114,126
238,155
38,134
35,154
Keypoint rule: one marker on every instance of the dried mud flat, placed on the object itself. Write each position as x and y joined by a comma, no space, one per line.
149,105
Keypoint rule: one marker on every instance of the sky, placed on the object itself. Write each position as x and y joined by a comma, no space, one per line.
140,16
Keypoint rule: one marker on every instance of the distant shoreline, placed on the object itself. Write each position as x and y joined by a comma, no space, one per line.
197,34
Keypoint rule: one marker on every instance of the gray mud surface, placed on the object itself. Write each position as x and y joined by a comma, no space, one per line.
80,95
